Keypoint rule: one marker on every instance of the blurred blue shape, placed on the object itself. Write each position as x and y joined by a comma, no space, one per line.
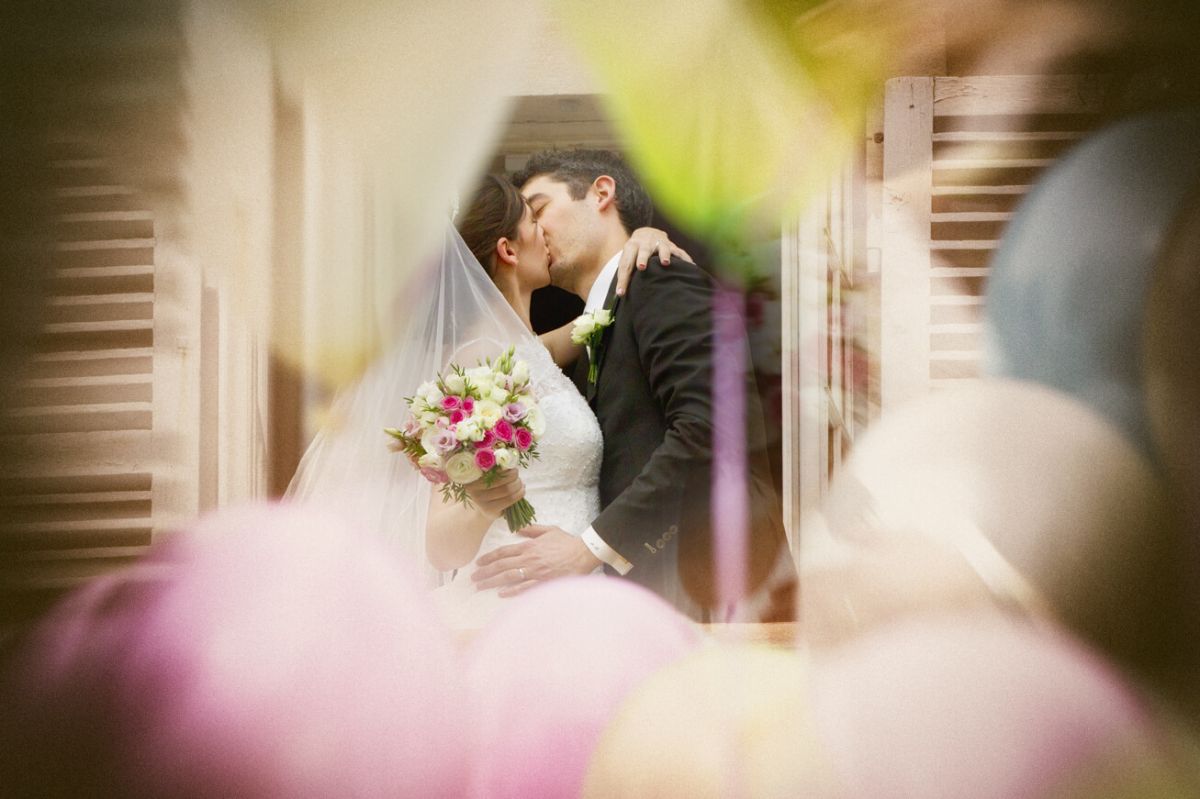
1067,290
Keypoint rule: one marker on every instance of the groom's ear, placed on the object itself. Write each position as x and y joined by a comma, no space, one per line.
606,192
504,251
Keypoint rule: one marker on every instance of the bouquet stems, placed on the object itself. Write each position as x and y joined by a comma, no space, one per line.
519,515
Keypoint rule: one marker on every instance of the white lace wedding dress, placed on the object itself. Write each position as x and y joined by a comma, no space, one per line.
562,484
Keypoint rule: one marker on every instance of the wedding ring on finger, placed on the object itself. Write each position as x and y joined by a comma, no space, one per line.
521,571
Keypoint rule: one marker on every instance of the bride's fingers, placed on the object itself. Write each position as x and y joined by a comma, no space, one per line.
666,249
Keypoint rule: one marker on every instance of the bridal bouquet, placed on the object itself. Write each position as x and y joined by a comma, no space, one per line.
473,423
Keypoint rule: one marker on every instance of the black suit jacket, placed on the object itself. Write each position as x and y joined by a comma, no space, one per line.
653,398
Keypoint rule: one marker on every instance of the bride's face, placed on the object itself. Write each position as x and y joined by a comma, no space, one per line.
533,258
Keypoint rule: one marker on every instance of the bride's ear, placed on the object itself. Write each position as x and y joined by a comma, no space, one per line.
505,252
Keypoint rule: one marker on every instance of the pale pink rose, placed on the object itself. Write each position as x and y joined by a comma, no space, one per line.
435,475
503,430
523,439
485,459
514,411
444,441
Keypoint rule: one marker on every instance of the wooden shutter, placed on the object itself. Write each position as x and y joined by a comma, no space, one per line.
76,491
959,154
825,367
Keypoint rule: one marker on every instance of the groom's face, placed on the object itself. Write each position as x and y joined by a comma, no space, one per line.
565,222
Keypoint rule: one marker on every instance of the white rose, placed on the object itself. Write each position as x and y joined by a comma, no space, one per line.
429,461
584,327
455,384
481,378
499,395
462,469
469,429
428,439
536,422
520,372
603,317
487,412
428,418
430,393
507,458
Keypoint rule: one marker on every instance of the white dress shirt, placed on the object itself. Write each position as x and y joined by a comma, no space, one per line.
595,301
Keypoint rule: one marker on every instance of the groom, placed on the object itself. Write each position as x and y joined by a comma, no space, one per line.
652,394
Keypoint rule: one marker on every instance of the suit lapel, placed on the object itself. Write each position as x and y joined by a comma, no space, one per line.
611,301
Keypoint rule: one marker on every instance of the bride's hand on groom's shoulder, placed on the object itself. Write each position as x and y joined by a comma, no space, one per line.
644,243
492,499
550,553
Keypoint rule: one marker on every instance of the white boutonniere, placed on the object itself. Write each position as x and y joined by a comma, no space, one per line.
588,330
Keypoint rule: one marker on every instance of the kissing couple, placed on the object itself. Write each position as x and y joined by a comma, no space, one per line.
624,481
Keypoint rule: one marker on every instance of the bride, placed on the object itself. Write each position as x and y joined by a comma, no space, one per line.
469,304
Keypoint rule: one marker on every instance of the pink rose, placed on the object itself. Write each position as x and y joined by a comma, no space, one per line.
488,439
523,438
503,430
444,441
485,459
468,404
451,403
457,416
435,475
514,411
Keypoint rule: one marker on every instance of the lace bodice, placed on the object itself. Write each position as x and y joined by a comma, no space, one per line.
562,484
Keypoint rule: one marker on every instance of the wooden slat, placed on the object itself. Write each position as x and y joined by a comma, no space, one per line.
972,216
1017,94
81,526
905,261
982,164
1008,135
74,357
53,419
983,244
959,271
960,327
956,299
945,191
135,270
79,498
111,326
93,191
96,453
84,389
101,299
106,216
104,244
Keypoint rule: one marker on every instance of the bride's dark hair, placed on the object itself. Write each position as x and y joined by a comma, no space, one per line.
495,212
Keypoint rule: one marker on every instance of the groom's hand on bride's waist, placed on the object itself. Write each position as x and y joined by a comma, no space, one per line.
549,553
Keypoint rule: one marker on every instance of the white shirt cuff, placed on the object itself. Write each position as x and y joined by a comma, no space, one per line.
604,552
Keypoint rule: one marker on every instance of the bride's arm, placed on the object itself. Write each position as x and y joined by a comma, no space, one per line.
453,531
644,242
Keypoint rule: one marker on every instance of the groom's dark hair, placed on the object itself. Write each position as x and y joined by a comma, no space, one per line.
578,168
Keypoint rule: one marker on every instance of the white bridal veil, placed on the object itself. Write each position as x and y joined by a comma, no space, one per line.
449,312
